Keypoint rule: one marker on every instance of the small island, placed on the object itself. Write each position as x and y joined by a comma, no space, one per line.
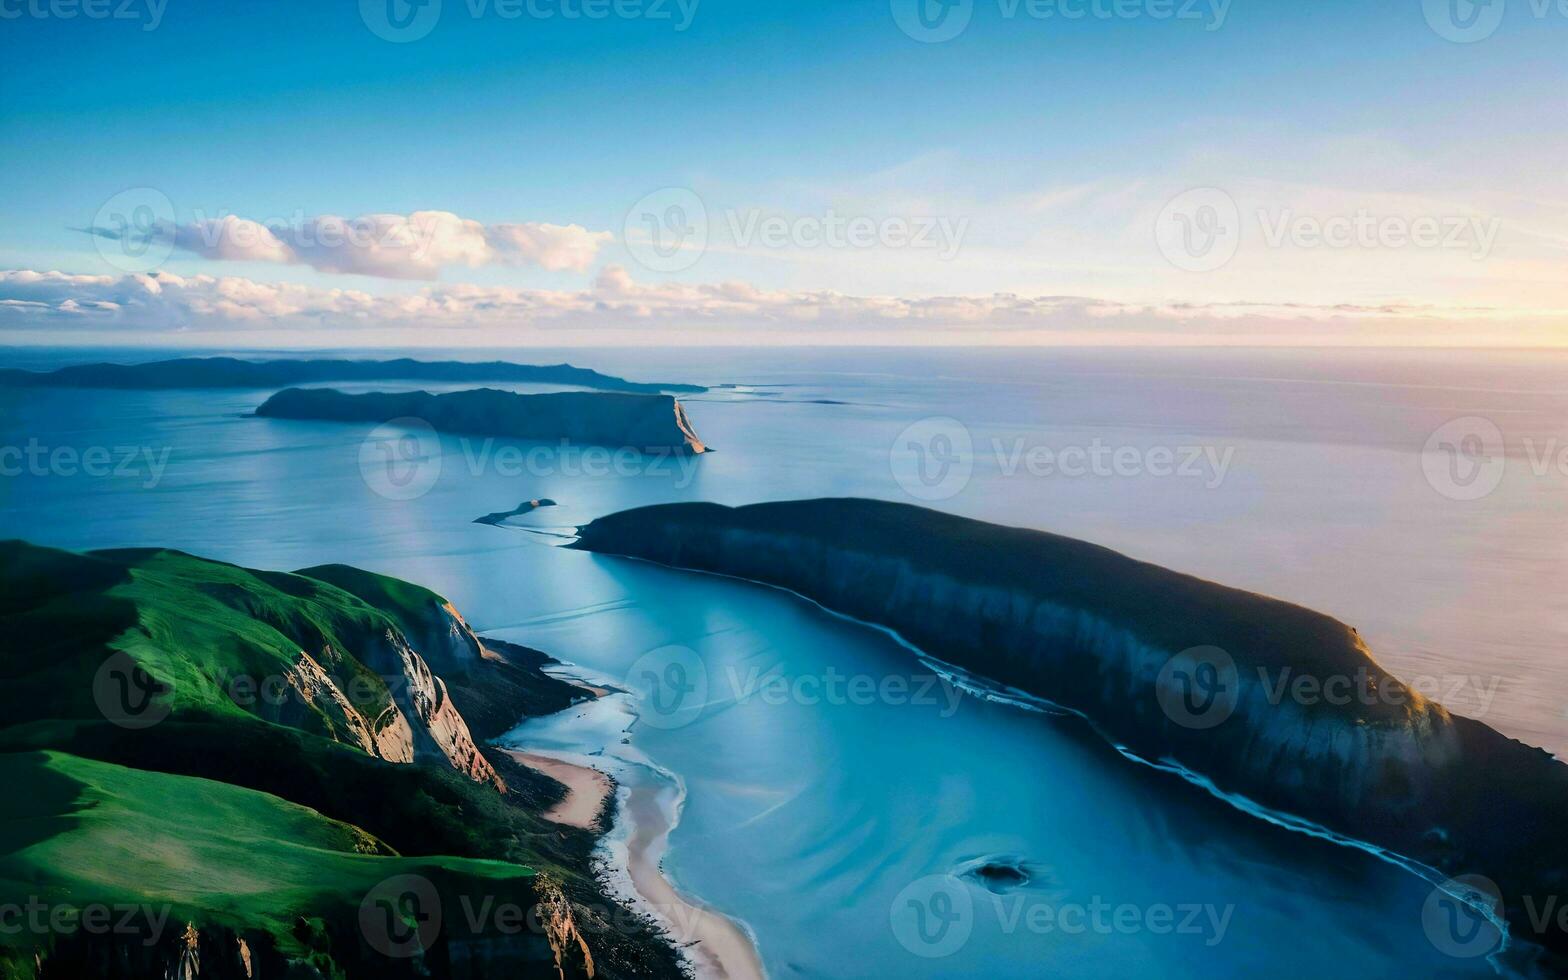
526,507
645,423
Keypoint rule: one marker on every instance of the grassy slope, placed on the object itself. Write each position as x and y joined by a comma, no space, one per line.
235,819
92,831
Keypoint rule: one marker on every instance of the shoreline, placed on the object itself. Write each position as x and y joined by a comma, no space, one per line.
718,946
586,789
581,748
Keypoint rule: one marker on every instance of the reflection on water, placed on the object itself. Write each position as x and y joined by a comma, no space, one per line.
846,828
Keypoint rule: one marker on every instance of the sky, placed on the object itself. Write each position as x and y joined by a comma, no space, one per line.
580,172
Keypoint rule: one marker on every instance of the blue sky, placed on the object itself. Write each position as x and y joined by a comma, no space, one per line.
1050,146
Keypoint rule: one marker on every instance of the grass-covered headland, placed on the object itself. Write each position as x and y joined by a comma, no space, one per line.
208,771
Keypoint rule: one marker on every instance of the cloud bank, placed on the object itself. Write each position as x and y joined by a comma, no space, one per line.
165,302
392,246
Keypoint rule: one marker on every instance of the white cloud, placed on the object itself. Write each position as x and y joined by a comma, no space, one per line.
730,310
393,246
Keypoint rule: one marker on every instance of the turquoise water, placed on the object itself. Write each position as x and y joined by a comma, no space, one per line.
817,819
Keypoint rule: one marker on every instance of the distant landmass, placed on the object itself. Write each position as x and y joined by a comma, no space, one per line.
231,372
1269,703
647,423
269,774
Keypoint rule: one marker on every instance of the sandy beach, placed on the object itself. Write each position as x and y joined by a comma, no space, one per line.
717,945
648,808
586,789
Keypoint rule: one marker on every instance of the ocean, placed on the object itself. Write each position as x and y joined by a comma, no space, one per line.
830,778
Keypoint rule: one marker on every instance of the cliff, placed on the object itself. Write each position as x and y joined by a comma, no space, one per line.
1131,646
646,423
245,759
230,372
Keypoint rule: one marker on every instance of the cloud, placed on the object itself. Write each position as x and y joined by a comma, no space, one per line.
733,310
392,246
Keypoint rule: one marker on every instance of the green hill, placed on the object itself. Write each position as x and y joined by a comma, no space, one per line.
205,755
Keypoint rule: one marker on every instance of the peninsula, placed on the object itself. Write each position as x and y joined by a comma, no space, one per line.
1281,709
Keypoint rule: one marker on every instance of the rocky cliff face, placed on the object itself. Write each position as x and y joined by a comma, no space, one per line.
1133,648
407,714
643,423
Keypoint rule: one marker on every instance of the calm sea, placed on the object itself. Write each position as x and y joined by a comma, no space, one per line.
1418,496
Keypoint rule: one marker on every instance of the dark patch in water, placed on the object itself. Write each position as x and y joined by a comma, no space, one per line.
997,873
